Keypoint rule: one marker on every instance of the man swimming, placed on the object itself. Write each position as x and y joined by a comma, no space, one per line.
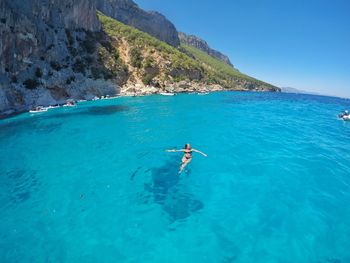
187,158
344,115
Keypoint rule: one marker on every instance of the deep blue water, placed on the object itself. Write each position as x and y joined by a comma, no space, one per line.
94,183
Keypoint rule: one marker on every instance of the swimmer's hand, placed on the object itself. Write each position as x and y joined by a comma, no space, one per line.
202,153
170,151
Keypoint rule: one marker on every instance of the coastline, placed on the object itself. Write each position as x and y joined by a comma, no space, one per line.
132,90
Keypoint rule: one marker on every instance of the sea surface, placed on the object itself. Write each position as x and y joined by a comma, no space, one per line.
94,183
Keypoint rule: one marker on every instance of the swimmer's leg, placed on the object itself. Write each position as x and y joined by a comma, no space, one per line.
184,163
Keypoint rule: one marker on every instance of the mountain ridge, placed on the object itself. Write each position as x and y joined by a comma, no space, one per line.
201,44
129,13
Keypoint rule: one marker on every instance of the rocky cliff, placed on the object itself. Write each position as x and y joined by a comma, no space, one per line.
202,45
43,47
153,23
29,28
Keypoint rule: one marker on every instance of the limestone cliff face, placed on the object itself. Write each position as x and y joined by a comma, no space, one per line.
201,44
153,23
40,54
29,27
73,14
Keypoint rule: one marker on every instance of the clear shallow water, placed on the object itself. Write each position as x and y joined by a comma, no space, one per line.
93,183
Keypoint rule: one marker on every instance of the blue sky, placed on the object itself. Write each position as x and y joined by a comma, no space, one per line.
289,43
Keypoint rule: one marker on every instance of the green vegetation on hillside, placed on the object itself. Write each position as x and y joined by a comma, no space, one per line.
141,40
152,58
218,69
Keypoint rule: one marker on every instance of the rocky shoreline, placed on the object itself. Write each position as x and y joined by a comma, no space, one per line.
180,87
129,90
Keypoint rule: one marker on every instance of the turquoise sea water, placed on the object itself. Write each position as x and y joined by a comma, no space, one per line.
94,184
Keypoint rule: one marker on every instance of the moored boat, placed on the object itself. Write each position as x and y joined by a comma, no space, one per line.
38,109
167,94
70,103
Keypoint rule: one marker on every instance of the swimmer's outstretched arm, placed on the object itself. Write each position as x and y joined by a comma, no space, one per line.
174,150
197,151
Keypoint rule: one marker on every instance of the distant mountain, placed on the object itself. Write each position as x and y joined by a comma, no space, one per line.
297,91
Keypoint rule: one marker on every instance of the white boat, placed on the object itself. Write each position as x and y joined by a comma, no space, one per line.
167,94
69,105
111,98
38,109
203,93
52,107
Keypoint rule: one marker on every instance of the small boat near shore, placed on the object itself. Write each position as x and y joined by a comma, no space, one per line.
70,103
202,93
52,107
39,109
167,94
110,97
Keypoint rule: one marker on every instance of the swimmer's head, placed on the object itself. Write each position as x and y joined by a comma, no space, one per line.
187,146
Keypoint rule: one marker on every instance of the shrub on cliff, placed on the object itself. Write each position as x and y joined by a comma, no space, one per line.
69,36
31,83
38,73
55,65
89,44
70,80
149,61
136,58
79,66
14,79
